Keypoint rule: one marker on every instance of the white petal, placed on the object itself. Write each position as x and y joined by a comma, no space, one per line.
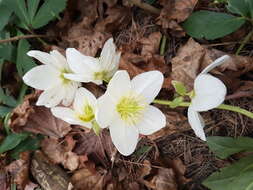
59,60
80,63
119,85
42,77
70,91
124,137
216,63
197,123
108,54
84,96
153,120
210,92
106,111
51,97
78,77
43,57
148,84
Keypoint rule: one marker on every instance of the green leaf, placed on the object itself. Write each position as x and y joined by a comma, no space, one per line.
176,102
11,141
250,5
7,99
48,11
239,7
179,87
235,177
32,6
23,63
211,25
4,16
30,143
226,146
19,7
7,50
4,111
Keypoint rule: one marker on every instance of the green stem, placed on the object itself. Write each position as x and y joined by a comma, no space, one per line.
163,44
244,42
221,107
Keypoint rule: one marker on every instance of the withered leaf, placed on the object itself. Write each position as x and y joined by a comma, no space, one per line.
175,12
48,175
3,180
19,170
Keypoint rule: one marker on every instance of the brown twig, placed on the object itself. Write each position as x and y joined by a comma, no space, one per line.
146,6
22,37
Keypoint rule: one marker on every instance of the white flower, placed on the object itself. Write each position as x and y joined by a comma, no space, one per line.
125,109
209,93
50,78
90,69
83,112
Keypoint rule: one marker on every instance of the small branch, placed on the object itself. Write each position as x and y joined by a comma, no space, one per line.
22,37
146,6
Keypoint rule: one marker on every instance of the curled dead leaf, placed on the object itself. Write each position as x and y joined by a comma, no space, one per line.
19,170
37,119
175,12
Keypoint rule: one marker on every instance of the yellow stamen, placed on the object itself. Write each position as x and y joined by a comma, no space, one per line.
88,114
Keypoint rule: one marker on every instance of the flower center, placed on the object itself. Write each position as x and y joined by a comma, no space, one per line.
88,114
130,109
100,75
64,80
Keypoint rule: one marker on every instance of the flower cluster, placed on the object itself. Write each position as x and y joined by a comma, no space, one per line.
125,106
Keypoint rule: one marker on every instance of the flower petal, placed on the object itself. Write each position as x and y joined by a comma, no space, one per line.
42,77
106,111
119,85
51,97
84,96
197,123
59,60
153,120
80,63
210,92
78,77
216,63
109,58
124,137
70,91
43,57
148,84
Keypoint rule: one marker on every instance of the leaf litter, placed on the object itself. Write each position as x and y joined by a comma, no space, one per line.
74,158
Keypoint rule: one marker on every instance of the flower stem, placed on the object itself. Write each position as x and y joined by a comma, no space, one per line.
244,42
221,107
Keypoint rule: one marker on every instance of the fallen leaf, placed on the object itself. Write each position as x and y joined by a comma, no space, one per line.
3,180
87,179
31,186
192,58
58,153
48,175
37,119
19,170
116,19
95,147
175,12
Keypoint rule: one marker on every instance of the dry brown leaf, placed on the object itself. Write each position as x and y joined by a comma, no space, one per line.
87,178
3,180
175,12
192,58
58,153
19,170
37,119
95,147
31,186
116,19
48,175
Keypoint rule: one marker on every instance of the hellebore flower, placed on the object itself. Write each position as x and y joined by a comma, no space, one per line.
209,93
83,112
50,78
125,109
90,69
